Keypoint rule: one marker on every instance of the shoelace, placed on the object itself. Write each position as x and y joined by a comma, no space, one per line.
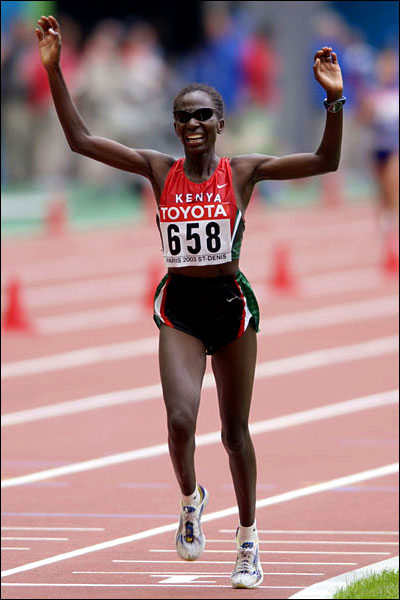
190,516
244,561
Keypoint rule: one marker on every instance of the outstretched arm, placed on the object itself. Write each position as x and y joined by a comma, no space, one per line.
326,158
143,162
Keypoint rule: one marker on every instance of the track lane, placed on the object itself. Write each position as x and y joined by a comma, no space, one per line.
130,419
375,427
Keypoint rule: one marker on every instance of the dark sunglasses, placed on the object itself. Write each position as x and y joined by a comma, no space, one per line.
201,114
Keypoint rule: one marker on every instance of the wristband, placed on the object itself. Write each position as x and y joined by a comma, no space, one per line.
334,106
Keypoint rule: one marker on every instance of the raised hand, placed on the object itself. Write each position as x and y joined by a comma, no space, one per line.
327,72
49,38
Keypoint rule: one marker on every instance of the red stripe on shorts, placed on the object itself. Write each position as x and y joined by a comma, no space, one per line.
241,329
162,307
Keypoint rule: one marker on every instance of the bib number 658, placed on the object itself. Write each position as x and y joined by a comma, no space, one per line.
193,239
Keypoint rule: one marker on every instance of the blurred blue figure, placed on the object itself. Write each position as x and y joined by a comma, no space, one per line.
330,29
359,64
218,62
379,110
356,55
10,11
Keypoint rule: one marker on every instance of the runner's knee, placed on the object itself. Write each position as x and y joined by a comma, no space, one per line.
181,426
235,438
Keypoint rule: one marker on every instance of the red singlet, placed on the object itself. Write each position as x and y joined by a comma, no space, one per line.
200,223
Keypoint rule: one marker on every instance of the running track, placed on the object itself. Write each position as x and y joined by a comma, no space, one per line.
89,497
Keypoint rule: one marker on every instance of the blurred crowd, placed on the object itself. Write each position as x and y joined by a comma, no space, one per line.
123,83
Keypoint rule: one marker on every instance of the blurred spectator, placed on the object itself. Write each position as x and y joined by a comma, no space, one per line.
122,81
358,71
51,155
34,144
359,64
357,59
218,61
99,88
15,117
260,69
123,86
144,92
379,110
330,30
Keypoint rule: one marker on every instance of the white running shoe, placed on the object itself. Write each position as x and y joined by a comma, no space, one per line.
190,540
248,571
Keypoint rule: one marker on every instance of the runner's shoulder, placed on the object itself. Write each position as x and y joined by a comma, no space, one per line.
244,162
159,162
244,166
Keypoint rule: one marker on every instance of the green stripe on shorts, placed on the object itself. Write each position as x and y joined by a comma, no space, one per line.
160,285
250,298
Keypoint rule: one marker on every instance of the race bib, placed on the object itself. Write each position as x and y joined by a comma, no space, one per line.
196,234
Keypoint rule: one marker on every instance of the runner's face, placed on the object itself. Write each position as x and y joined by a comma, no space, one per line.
197,135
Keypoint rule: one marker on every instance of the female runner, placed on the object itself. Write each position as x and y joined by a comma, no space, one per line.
204,304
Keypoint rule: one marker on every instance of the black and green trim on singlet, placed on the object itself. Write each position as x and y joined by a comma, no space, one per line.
237,235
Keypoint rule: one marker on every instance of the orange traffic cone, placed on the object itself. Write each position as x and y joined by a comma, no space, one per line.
391,256
154,276
282,276
56,217
16,317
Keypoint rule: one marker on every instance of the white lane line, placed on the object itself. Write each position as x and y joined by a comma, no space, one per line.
329,587
130,396
317,531
73,267
307,416
375,308
162,573
340,281
52,529
40,539
9,548
350,254
135,286
307,542
233,510
76,358
229,562
204,584
207,551
304,261
335,314
120,314
87,290
319,358
291,364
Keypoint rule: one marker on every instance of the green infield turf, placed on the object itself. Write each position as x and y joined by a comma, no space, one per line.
381,585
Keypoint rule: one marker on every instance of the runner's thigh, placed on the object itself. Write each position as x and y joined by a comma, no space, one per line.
182,361
234,366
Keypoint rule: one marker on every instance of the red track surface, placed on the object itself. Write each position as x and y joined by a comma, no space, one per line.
303,540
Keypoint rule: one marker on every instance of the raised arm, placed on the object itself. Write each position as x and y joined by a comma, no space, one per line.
326,158
149,163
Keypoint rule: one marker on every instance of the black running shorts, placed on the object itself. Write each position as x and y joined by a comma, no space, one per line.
216,310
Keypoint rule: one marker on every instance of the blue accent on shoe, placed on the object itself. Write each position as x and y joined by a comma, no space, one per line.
190,540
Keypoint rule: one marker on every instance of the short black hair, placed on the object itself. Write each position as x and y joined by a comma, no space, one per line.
203,87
